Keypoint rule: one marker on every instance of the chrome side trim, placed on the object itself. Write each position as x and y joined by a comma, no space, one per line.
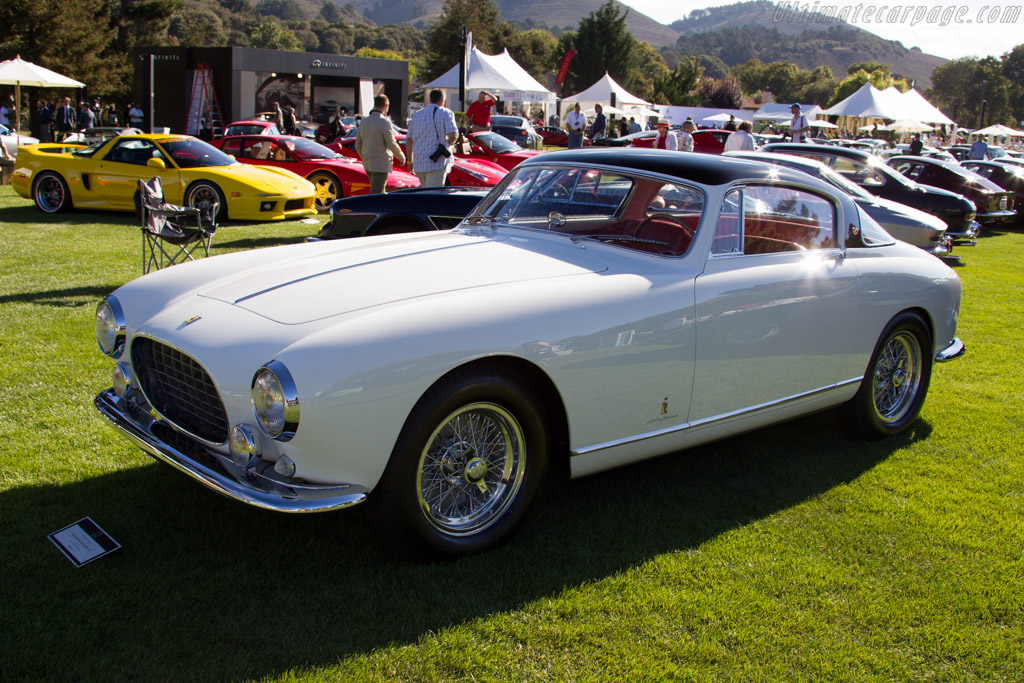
250,487
704,422
953,350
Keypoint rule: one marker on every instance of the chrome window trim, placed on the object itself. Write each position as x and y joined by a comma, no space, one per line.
838,211
703,422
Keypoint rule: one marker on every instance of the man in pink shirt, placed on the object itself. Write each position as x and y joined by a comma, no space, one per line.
479,112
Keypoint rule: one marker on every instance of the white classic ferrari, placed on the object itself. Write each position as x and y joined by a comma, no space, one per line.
602,306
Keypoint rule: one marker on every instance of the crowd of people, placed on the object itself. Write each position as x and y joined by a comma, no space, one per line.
54,121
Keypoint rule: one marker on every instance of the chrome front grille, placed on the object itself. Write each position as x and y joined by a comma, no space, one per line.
179,389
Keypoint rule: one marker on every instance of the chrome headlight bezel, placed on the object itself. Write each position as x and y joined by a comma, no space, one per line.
110,327
275,401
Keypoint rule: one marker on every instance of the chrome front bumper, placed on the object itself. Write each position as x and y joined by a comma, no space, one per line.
253,486
953,350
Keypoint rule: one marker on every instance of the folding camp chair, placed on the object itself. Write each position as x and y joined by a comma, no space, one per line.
171,233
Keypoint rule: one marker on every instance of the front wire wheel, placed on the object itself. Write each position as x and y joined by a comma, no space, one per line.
466,466
471,469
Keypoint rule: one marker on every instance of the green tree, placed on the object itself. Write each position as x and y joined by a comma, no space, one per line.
271,35
197,27
959,86
534,50
385,54
444,38
677,86
750,76
650,68
603,44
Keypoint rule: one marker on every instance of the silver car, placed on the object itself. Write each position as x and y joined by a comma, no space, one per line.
901,221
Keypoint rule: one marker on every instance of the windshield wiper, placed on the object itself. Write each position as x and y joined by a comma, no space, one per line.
623,238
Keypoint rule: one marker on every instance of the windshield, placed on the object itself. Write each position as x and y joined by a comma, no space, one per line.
842,183
498,144
194,153
625,210
305,148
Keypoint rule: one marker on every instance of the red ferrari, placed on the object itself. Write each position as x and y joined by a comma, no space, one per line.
494,148
334,175
465,172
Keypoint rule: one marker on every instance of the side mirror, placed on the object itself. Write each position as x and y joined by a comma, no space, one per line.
153,162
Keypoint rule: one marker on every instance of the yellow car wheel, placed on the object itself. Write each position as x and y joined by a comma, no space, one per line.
203,194
327,189
51,193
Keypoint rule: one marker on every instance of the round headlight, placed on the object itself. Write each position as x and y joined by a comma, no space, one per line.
275,401
110,327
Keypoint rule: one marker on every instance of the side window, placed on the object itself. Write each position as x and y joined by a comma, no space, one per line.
256,149
133,151
233,147
778,219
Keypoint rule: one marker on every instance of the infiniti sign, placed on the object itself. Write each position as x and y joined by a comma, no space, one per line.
316,64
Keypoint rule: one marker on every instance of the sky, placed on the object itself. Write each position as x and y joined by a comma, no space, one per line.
978,28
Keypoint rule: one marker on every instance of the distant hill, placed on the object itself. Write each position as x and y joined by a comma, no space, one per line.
556,14
736,33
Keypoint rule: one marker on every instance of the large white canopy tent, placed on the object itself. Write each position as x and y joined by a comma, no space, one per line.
917,108
602,93
18,72
499,75
870,103
891,104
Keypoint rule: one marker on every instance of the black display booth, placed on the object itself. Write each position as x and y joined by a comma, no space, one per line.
246,81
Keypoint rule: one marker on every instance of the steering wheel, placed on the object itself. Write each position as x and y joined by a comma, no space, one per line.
687,230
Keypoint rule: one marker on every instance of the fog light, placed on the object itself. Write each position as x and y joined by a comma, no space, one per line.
122,379
266,206
285,466
243,446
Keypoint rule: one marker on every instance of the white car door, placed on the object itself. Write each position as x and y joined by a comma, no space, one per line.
775,304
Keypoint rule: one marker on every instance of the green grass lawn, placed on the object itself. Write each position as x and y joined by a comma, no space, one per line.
792,553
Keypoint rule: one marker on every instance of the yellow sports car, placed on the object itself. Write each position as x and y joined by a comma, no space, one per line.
105,176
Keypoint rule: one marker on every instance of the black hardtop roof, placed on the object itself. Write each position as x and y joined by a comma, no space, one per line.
827,150
709,169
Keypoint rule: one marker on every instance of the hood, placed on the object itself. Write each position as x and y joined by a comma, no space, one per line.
329,279
260,178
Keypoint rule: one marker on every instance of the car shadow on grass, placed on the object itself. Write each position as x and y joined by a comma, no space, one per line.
206,587
70,297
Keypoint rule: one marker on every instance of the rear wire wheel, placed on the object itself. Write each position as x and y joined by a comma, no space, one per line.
894,387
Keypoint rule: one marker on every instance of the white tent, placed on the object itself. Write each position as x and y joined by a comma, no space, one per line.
998,129
917,108
602,92
870,102
18,72
500,75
